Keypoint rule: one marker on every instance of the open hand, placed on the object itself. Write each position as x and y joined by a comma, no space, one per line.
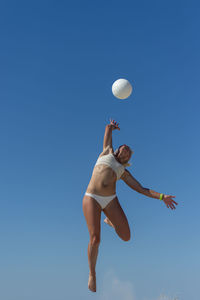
114,124
169,202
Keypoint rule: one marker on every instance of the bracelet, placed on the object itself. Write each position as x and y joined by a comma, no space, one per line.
161,196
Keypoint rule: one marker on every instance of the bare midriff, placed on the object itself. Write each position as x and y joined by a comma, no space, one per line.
103,181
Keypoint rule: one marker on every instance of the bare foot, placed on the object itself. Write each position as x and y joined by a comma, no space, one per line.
92,283
107,221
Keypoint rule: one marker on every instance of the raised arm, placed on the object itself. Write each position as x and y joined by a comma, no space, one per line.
135,185
108,133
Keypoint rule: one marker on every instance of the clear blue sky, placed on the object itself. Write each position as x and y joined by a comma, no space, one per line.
58,60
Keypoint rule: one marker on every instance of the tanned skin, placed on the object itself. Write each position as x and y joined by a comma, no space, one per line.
103,183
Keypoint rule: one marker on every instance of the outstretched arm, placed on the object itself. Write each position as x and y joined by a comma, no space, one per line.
108,133
135,185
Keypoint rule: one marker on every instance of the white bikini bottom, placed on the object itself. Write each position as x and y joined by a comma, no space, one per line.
102,200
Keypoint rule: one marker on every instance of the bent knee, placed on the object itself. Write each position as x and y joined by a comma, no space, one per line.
126,237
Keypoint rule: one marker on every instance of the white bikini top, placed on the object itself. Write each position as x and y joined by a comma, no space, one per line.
110,161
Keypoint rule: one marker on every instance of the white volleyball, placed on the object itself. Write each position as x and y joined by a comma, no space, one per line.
122,88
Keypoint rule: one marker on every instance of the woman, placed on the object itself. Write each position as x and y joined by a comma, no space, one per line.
101,196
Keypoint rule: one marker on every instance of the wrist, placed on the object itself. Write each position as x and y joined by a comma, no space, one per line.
110,126
161,197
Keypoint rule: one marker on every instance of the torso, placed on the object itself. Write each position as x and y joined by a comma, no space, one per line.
103,180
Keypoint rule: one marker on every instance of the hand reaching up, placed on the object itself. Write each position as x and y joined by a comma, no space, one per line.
114,124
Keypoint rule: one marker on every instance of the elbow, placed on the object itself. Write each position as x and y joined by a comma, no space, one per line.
144,191
141,190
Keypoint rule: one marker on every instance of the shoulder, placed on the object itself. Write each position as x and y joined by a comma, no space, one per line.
125,174
107,150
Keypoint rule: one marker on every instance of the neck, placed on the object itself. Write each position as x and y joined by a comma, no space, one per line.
117,159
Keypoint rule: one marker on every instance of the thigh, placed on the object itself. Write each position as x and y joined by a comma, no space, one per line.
92,213
116,215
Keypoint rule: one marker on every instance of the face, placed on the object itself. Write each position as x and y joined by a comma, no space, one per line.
124,154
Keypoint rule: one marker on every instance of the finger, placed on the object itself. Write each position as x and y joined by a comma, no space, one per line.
175,202
172,206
